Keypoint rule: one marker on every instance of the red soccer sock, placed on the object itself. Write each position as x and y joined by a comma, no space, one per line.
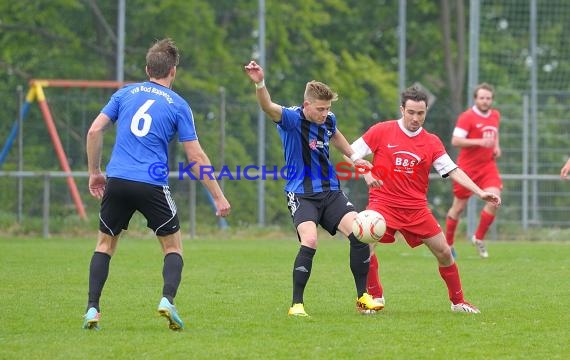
450,274
485,222
373,286
450,226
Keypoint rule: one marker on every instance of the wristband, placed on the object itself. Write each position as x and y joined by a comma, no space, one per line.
260,85
354,157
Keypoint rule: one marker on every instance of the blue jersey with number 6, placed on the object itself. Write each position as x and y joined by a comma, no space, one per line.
147,116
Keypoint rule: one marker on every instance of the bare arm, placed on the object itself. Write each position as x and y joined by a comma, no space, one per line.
95,142
361,166
458,141
339,141
94,149
196,154
497,150
255,73
460,177
565,169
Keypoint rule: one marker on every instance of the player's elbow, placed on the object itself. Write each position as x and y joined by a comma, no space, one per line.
272,110
198,157
94,132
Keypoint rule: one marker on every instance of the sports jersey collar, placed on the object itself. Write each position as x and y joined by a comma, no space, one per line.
301,113
478,112
158,84
406,131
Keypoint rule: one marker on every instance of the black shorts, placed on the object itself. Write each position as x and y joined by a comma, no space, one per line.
123,197
326,208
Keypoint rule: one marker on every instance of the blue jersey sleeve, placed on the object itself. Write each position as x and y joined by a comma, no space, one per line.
112,107
289,117
333,120
186,127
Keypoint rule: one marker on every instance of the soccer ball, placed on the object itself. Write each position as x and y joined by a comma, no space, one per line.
369,226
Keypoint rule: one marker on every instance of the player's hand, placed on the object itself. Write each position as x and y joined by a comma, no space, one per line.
487,142
491,198
565,170
97,184
497,152
223,207
254,71
372,181
363,163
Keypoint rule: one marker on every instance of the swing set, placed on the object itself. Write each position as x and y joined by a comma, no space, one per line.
36,93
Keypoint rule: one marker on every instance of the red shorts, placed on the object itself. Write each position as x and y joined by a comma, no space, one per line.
485,177
413,224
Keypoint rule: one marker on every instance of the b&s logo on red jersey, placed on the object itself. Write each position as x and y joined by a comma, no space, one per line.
489,132
405,161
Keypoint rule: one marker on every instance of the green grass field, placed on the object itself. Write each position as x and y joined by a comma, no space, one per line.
235,294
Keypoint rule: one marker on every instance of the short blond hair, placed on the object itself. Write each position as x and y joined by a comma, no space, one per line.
316,90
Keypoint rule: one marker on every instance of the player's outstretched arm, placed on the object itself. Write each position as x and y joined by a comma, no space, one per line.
255,73
462,142
461,177
339,141
196,154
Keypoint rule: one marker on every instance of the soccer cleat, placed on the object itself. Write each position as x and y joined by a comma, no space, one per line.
453,253
297,310
166,309
480,245
367,305
464,307
380,301
91,321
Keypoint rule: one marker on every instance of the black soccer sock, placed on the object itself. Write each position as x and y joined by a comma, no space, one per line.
359,263
98,272
302,272
171,274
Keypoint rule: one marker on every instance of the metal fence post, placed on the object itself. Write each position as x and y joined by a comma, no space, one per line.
45,208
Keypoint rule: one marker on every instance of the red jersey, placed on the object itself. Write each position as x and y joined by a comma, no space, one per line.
472,124
402,160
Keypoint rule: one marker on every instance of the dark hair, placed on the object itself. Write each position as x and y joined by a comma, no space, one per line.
161,57
415,94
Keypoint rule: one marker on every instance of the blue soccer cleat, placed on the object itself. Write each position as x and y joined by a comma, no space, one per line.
91,319
166,309
453,253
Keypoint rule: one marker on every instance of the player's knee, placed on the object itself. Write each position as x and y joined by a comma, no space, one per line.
106,243
309,241
444,257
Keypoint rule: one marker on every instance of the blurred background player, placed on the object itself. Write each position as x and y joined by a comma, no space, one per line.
476,134
403,154
314,198
147,116
565,169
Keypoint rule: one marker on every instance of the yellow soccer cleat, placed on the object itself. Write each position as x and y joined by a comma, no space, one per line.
367,305
297,310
